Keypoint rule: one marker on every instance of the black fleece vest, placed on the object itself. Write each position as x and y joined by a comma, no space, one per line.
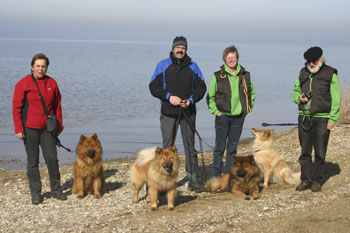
224,92
321,99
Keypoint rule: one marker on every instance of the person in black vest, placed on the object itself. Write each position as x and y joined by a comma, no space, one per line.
178,82
30,125
230,98
317,94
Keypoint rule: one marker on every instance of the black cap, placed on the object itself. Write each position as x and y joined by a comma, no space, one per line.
313,54
179,40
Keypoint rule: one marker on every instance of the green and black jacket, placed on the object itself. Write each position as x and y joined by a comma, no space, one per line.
324,88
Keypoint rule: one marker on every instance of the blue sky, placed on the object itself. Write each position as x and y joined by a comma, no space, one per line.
199,20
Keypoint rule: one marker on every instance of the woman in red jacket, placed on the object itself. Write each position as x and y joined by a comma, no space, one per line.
30,125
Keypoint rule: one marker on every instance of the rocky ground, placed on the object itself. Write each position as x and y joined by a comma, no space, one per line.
280,208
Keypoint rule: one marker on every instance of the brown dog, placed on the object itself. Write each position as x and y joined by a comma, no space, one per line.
88,171
243,180
159,169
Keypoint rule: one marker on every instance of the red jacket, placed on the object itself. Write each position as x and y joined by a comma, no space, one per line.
36,117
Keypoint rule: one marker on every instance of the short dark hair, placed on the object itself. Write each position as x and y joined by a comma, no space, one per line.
40,56
230,49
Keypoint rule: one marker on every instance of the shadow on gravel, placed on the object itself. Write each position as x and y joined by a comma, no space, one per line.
180,199
110,186
330,169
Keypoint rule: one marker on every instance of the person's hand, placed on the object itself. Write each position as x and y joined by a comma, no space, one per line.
330,125
20,135
303,98
185,103
174,100
219,114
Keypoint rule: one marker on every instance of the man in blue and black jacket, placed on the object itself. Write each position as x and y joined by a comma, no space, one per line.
178,82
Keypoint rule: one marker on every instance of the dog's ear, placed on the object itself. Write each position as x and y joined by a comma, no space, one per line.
94,136
272,131
173,149
158,150
82,138
266,133
251,158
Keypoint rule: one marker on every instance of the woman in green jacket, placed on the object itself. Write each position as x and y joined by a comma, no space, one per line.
230,98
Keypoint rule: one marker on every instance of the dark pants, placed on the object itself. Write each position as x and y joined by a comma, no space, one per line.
317,137
34,138
228,131
167,125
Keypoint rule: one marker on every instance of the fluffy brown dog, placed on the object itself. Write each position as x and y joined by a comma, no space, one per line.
159,169
88,171
243,180
271,163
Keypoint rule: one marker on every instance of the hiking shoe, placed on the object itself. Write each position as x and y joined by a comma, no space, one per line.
59,195
315,187
302,186
37,199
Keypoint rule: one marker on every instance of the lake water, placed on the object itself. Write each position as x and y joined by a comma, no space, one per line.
104,87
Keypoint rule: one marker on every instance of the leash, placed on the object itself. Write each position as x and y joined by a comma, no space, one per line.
58,143
191,124
174,138
176,126
245,89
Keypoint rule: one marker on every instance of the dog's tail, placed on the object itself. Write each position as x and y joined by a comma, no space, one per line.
296,177
289,177
218,184
212,185
145,155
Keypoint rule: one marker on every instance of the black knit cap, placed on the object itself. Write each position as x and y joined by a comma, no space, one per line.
179,40
313,54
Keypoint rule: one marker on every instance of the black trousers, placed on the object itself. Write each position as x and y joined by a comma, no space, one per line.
316,138
167,125
34,138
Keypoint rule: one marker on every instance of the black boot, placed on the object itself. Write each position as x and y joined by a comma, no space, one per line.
37,199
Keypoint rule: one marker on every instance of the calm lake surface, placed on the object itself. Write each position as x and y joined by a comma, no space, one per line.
104,87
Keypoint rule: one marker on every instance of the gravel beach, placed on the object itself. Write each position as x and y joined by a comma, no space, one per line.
279,209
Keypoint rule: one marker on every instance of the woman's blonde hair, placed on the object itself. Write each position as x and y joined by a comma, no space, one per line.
231,49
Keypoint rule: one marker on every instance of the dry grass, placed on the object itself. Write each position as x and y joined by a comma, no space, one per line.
345,104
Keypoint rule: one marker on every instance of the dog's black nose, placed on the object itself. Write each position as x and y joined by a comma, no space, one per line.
241,172
167,166
90,153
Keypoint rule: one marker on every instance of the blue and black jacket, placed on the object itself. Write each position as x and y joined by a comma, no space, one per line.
178,78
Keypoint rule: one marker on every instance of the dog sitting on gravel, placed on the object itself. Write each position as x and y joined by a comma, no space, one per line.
243,180
274,168
88,171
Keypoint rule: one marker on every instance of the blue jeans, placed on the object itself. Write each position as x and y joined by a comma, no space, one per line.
228,131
